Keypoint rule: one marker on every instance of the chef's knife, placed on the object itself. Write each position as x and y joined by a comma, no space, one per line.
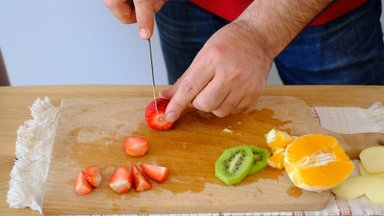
153,78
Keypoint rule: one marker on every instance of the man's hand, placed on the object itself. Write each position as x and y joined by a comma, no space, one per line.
226,76
229,72
140,11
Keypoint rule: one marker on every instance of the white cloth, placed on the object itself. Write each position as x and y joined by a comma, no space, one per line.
351,120
33,155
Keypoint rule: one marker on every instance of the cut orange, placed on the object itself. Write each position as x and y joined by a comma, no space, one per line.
278,139
277,159
317,162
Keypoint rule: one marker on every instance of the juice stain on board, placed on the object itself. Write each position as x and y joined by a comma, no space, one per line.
189,149
197,139
294,192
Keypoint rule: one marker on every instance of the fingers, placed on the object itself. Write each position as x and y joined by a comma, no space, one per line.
140,11
242,106
212,95
251,95
229,104
144,16
168,93
122,10
186,89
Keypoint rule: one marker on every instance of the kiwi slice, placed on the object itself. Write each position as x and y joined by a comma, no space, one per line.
234,164
260,159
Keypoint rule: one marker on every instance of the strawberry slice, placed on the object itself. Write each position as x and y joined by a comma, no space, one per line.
157,122
93,176
157,173
135,146
121,180
81,185
140,182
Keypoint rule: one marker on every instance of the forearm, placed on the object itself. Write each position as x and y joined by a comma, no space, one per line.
275,23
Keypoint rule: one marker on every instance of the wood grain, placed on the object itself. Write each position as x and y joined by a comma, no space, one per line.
92,131
14,102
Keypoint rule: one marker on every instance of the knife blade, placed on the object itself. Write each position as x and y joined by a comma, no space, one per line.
153,77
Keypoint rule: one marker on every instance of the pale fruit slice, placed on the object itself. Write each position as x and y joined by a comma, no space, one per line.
317,162
277,159
351,188
278,139
356,186
376,195
372,159
364,172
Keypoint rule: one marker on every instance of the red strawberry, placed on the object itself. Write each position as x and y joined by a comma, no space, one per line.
81,185
140,182
135,146
157,122
121,180
92,174
157,173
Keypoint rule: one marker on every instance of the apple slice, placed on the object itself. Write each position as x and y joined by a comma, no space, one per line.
372,159
351,188
356,186
364,172
377,196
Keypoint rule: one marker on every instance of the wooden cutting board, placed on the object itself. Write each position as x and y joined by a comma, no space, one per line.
92,131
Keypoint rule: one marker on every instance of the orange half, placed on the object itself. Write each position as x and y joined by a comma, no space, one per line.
317,162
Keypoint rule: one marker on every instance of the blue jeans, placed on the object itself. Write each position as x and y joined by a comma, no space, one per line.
348,50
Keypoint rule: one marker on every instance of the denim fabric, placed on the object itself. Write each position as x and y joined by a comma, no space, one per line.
348,50
183,30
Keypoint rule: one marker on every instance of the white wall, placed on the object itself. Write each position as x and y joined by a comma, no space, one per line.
73,42
49,42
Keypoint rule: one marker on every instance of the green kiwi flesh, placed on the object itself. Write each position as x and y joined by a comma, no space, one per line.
260,159
234,164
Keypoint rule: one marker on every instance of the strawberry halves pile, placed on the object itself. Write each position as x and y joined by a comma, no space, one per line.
122,179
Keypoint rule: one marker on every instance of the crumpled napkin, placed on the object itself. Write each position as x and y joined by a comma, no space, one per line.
33,155
351,120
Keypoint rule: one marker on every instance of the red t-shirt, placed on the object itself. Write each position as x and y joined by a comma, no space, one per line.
231,9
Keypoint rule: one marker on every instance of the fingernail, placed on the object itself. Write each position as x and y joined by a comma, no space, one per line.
144,33
159,5
171,116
